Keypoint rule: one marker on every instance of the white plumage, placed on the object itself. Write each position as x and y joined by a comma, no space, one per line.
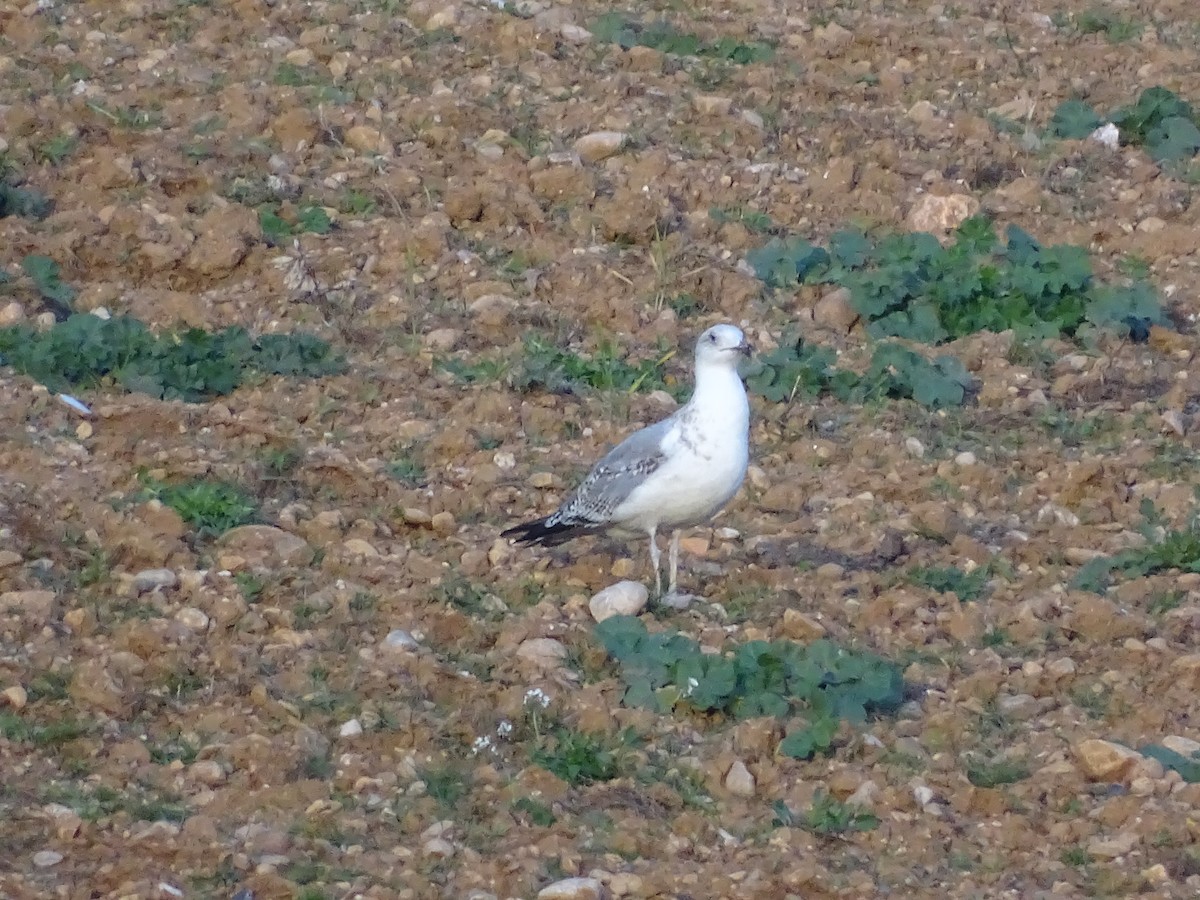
671,475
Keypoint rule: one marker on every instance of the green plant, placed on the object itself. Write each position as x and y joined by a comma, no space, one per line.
551,368
15,727
797,369
21,201
662,36
1098,19
895,372
407,468
356,203
309,218
176,749
539,813
1075,855
1161,121
191,365
1188,767
910,286
446,784
997,772
467,596
128,116
93,802
1164,550
210,507
753,219
580,757
819,682
250,585
44,273
55,149
965,585
827,815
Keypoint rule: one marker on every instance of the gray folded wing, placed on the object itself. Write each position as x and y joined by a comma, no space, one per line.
613,479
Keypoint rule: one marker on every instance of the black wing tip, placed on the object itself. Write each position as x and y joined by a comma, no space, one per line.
540,532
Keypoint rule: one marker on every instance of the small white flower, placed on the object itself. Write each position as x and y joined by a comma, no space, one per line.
505,728
480,744
692,684
538,696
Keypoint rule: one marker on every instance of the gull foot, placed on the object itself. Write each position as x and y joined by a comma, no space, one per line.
678,599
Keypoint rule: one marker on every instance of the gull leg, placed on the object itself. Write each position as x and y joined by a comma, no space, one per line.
674,561
674,597
656,560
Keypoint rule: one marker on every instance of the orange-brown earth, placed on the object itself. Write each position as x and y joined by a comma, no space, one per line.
255,719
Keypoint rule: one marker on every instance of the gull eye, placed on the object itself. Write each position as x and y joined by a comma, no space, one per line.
712,338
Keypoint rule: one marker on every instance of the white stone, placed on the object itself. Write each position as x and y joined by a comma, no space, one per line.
625,598
573,889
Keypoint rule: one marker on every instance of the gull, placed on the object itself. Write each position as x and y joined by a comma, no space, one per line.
671,475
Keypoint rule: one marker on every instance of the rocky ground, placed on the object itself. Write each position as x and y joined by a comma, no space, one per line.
366,692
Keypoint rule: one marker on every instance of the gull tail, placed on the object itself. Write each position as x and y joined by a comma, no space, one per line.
546,532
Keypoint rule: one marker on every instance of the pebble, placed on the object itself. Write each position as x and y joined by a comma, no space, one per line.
1111,848
1105,760
864,795
711,104
923,794
939,214
599,145
154,580
802,627
194,620
207,771
625,598
359,547
350,729
575,34
12,314
739,780
399,639
573,889
1182,745
966,458
443,523
914,448
439,847
15,696
835,311
1018,706
492,309
545,653
44,859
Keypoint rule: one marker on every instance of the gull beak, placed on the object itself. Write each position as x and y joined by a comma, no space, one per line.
745,348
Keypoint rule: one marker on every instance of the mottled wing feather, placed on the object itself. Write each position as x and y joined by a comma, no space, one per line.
604,489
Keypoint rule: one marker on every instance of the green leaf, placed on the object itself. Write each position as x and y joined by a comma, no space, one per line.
1074,120
1173,139
313,219
1153,106
274,228
850,248
1187,767
27,202
46,278
805,743
780,262
622,636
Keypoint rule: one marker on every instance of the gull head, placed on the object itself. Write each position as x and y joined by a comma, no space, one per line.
722,345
